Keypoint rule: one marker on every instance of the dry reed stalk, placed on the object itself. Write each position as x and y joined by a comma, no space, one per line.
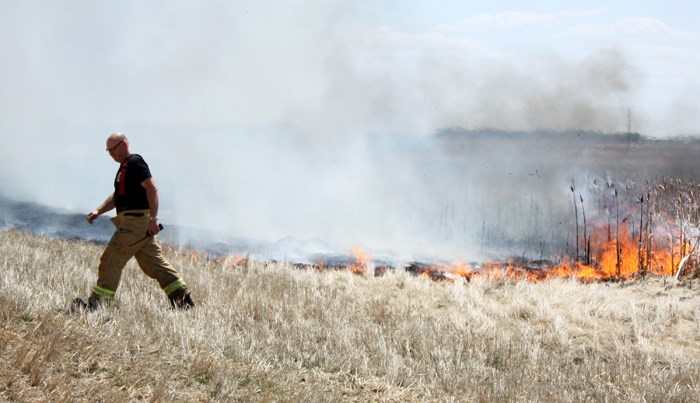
586,239
576,258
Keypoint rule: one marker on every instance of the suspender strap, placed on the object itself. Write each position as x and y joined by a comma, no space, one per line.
122,178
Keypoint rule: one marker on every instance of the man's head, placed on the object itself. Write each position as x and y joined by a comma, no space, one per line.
118,146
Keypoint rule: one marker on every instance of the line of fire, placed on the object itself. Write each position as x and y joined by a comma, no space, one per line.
622,232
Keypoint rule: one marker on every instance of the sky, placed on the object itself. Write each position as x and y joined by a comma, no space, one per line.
261,117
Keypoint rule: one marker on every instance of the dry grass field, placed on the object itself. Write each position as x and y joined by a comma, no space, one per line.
266,331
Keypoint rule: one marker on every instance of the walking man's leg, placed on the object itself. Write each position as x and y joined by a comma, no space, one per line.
119,250
153,263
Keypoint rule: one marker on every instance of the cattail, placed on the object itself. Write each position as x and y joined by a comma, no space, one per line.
576,215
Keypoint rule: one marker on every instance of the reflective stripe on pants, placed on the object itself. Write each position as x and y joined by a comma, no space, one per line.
129,240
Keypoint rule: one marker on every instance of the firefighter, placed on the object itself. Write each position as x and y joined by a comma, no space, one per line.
135,198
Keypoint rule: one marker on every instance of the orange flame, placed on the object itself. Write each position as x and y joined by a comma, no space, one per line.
238,260
617,257
361,261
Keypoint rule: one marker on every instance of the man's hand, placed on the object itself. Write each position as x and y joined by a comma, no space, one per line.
91,216
104,207
153,227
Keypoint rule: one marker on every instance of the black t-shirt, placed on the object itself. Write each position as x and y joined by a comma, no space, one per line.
128,192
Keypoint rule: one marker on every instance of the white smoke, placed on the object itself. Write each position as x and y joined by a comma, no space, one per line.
305,118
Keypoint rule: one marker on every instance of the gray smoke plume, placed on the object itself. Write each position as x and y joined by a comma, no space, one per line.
264,121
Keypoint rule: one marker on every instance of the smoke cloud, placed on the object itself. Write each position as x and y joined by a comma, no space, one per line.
305,119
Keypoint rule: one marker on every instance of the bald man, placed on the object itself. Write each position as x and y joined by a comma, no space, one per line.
135,198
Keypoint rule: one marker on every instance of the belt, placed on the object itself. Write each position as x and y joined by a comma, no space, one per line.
134,214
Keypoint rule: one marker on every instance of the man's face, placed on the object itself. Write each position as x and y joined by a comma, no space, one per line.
117,149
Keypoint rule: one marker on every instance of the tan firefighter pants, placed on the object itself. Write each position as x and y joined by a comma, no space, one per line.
130,240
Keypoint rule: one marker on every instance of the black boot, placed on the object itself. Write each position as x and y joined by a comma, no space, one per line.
80,304
181,299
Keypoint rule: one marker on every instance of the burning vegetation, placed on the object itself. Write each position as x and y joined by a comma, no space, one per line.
618,231
635,231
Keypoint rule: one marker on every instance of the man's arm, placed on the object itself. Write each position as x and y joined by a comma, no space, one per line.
104,207
152,196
